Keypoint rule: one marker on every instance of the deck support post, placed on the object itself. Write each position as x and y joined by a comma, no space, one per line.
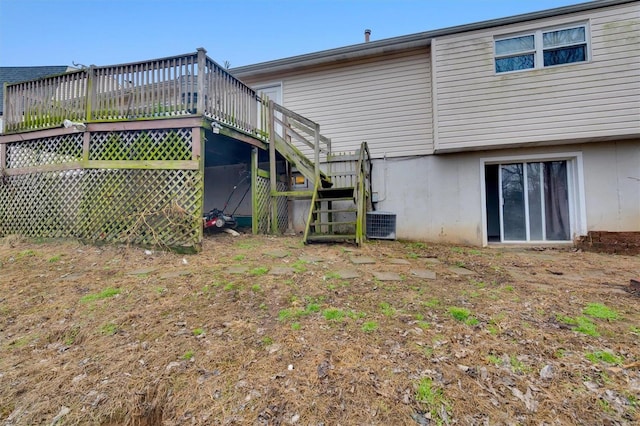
273,177
254,191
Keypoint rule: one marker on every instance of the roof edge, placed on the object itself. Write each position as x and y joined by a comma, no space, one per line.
408,41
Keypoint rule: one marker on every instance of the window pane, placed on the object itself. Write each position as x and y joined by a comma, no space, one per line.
534,192
514,63
513,215
563,37
556,201
566,55
514,45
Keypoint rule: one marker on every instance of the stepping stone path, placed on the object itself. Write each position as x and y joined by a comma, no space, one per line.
311,259
175,274
278,254
461,271
424,273
238,269
143,271
281,270
72,277
432,260
387,276
362,260
347,274
399,261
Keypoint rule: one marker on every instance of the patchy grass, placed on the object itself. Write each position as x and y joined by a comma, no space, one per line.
387,309
104,294
600,311
581,324
432,398
260,270
333,314
369,326
604,356
109,329
459,314
281,347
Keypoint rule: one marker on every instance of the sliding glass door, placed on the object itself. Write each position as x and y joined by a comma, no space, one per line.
532,200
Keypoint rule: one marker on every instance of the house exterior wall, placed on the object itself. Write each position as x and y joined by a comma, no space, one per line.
432,116
475,107
438,197
385,101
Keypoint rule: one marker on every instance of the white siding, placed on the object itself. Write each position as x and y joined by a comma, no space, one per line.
475,107
385,101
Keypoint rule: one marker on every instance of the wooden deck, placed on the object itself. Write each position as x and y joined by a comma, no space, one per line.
145,119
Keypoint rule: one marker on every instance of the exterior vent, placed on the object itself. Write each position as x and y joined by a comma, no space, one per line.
381,225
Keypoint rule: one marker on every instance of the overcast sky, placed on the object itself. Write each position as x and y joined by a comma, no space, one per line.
105,32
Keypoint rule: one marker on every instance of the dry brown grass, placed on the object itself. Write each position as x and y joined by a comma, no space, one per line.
121,337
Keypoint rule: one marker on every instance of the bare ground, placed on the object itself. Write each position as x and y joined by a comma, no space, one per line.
116,335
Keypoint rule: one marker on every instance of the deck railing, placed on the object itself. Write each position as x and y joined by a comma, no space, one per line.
175,86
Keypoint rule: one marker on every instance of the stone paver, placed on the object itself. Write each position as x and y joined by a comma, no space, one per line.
281,270
142,271
432,260
278,254
424,274
387,276
362,260
347,274
174,274
73,277
238,269
399,261
461,271
311,259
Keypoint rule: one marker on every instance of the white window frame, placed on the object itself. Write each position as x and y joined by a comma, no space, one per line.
538,60
575,182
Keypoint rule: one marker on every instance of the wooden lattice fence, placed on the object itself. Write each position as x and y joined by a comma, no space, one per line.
131,186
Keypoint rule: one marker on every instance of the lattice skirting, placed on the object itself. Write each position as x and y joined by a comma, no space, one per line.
145,207
262,209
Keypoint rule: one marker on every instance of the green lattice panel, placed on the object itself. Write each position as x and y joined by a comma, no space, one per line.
261,209
283,211
145,207
40,204
162,144
38,152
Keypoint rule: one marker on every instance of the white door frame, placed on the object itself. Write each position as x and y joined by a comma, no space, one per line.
575,183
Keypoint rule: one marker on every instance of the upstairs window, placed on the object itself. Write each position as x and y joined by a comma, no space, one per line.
541,49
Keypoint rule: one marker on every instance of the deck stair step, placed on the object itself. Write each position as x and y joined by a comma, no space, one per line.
330,238
337,213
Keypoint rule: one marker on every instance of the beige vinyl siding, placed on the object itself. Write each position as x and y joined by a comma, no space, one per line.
385,101
600,98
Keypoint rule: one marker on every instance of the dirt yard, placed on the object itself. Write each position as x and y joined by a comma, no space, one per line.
266,331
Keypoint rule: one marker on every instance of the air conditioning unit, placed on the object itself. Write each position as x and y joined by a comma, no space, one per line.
381,225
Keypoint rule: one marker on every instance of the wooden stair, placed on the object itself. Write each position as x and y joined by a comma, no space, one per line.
333,215
338,214
341,194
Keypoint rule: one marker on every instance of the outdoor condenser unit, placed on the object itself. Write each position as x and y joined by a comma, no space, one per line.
381,225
